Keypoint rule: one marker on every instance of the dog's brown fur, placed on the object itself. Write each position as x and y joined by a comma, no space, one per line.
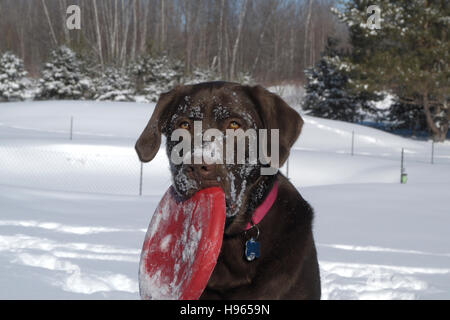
288,266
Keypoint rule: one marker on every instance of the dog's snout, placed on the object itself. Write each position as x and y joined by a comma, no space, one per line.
204,171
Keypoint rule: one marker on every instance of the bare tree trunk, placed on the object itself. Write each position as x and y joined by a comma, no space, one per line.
439,132
191,15
79,33
292,53
312,45
114,32
163,26
238,39
220,38
63,5
276,60
52,31
107,18
187,37
99,35
22,42
227,53
305,45
126,20
261,36
135,29
447,123
144,29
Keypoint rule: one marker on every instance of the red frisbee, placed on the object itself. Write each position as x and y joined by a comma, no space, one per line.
182,245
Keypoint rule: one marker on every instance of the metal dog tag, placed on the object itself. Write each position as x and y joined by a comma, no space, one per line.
251,249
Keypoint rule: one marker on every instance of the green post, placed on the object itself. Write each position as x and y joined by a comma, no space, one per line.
403,174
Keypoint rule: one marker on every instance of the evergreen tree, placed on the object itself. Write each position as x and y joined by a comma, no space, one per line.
62,78
200,75
406,116
245,78
206,75
154,76
408,55
114,84
12,76
328,93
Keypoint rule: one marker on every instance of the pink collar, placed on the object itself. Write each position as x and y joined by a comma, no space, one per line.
262,210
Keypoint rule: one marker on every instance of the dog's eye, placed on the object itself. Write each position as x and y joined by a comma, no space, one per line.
234,125
185,125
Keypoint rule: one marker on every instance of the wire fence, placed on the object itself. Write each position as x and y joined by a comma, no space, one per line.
415,151
84,166
80,168
425,152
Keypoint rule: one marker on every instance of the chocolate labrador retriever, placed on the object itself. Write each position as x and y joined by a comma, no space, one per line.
286,266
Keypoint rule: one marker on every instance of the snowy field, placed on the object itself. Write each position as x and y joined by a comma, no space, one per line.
72,222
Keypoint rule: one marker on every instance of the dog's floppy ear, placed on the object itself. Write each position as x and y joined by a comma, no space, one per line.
277,114
149,142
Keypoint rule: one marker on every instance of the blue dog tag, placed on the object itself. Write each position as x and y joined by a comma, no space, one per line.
252,249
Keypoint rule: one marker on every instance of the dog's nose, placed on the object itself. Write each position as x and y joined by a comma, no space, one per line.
204,171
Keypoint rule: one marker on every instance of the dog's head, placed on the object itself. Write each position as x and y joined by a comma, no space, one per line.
224,107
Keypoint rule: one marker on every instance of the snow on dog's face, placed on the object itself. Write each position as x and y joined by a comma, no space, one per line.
198,112
196,116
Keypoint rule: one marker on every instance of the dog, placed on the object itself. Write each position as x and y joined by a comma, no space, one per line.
287,266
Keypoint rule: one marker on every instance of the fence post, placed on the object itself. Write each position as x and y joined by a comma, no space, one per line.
353,142
141,176
432,152
287,168
71,128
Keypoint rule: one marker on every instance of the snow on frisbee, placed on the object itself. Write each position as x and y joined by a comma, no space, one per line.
182,245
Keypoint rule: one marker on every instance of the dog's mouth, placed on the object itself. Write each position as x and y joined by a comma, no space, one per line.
187,183
209,183
188,180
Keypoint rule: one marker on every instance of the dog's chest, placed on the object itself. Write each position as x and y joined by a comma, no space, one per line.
232,269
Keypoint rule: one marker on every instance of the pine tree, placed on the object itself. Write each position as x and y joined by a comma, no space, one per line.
328,93
12,76
245,78
155,75
408,55
406,116
62,78
200,75
114,84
